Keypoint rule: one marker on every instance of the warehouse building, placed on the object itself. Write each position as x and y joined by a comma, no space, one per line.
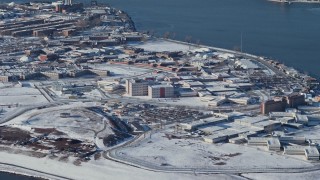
202,123
273,143
161,91
310,152
222,135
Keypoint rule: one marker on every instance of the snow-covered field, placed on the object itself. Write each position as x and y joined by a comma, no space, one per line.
196,154
99,169
284,176
20,95
81,124
123,70
162,45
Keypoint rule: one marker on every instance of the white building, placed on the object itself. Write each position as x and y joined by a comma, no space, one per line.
202,122
137,87
161,91
247,64
273,143
310,152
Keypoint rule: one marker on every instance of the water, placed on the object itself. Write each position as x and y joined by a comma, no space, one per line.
8,176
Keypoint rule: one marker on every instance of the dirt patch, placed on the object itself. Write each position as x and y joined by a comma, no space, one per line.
13,135
220,163
44,130
214,158
232,155
64,158
77,162
97,156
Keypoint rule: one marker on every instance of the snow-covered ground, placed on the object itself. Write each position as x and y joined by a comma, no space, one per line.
190,153
21,96
81,124
123,70
284,176
99,169
162,45
310,133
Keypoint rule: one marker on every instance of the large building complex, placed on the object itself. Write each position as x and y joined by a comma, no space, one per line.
291,101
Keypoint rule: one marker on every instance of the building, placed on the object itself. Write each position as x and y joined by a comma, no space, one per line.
247,64
310,152
222,135
293,139
4,78
161,91
294,100
137,87
194,125
68,2
272,106
273,143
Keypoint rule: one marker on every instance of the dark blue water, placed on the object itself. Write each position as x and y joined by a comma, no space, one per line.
8,176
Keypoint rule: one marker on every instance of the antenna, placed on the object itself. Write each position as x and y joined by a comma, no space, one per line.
94,3
241,42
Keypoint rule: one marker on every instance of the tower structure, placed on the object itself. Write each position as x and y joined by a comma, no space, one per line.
67,2
94,3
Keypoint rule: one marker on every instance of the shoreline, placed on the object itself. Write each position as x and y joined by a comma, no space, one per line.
296,1
18,170
18,174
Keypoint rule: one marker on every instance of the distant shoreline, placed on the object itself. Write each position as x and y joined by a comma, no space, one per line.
21,174
296,1
17,170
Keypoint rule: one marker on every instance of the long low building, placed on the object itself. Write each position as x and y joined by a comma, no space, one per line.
293,140
202,123
222,135
272,143
248,121
310,152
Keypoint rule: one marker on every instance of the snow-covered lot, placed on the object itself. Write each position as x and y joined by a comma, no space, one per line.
21,96
100,169
81,124
162,45
190,153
